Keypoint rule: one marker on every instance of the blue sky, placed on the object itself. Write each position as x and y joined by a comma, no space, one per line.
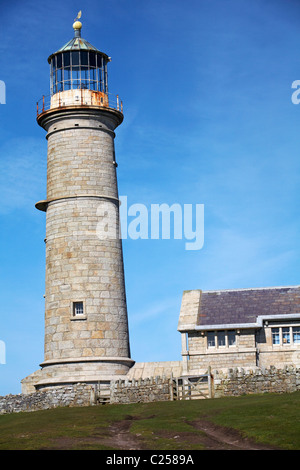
206,87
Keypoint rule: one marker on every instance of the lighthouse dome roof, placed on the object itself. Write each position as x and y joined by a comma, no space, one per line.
77,43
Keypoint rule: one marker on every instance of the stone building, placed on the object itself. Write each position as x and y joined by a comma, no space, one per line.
247,328
86,326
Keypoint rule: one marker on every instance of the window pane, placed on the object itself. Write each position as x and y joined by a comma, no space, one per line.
66,59
93,74
211,339
92,59
67,74
75,58
59,61
99,61
84,58
275,336
75,78
286,335
78,308
221,338
59,75
296,334
99,80
231,338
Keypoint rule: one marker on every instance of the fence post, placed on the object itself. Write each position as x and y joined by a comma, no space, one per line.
171,387
210,383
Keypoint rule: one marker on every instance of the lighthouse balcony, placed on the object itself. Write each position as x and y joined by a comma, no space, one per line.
79,97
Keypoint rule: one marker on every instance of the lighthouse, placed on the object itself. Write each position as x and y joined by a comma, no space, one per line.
86,324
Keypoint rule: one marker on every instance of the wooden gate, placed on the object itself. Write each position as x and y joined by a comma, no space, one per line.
192,387
102,393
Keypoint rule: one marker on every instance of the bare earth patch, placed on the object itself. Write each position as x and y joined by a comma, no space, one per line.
221,438
119,437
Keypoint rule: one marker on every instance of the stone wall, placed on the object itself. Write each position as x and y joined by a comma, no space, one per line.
71,395
235,382
225,382
142,390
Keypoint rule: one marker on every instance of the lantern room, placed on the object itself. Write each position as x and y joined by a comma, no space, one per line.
78,65
78,77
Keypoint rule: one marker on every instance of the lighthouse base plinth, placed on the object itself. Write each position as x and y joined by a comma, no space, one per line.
73,371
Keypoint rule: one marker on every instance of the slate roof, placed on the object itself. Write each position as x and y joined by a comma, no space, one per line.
245,305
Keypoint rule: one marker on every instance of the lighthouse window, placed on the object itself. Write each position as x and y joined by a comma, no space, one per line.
67,74
77,308
75,58
92,59
84,58
66,59
78,69
59,61
59,75
75,74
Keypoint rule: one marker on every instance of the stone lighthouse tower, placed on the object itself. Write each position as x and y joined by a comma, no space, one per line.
86,327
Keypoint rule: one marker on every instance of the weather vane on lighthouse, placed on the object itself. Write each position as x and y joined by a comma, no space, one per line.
77,25
78,16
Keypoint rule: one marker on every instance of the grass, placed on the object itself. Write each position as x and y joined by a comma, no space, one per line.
269,419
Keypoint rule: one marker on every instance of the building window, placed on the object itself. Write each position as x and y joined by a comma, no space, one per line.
221,338
231,338
286,335
211,343
275,336
296,334
78,308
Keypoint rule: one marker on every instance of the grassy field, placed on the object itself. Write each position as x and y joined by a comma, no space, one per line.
268,420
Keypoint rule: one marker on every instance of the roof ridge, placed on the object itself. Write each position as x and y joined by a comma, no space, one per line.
250,288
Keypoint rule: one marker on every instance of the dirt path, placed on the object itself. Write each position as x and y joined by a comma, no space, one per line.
213,438
120,436
220,438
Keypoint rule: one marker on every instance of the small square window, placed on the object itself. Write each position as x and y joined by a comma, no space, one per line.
78,308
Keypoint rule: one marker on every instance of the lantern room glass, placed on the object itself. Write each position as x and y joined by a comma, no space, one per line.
78,69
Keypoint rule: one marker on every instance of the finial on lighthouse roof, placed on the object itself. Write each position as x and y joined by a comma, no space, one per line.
77,25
